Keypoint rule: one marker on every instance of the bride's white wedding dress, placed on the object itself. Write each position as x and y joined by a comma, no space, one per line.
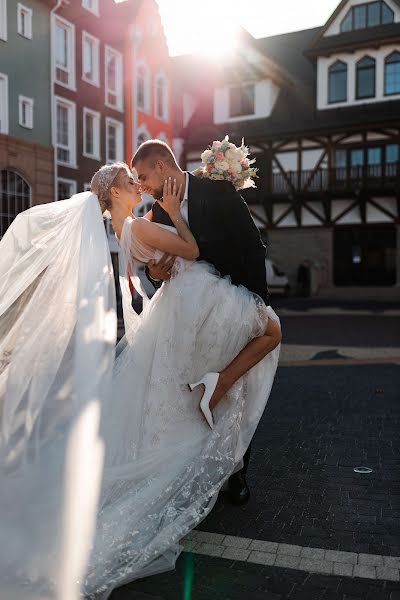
163,465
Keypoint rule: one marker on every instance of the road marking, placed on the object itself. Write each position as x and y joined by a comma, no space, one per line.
332,311
390,360
288,556
303,352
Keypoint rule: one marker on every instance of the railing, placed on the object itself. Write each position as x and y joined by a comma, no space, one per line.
339,179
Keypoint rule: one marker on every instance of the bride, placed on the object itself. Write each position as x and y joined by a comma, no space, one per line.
170,442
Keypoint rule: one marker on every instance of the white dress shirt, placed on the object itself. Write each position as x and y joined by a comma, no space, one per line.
184,203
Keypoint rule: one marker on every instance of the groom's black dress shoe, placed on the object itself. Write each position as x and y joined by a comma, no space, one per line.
238,489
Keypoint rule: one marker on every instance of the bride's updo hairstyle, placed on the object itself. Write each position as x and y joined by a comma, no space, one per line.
104,179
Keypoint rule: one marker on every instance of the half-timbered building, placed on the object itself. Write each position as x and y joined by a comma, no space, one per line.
320,110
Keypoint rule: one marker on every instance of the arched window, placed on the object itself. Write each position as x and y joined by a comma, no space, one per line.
142,81
15,195
365,78
392,74
337,82
161,97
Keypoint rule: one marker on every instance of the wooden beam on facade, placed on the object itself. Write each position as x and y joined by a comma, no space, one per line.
346,210
315,169
283,215
382,209
282,170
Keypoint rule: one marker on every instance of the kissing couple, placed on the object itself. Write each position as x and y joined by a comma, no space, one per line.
180,402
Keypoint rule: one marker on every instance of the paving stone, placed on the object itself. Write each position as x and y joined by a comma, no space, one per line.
316,553
387,573
343,569
262,558
289,550
205,536
235,553
340,556
264,546
236,542
284,560
316,566
364,571
391,561
209,549
294,476
372,560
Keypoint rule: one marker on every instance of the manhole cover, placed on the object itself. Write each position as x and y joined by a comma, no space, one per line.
362,470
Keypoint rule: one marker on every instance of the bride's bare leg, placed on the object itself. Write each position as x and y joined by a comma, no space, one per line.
251,354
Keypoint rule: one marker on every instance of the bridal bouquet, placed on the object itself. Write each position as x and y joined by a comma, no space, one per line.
224,160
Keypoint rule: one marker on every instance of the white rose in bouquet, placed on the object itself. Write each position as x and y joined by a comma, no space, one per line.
206,155
221,165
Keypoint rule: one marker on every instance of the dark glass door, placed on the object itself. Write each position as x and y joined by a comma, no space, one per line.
365,256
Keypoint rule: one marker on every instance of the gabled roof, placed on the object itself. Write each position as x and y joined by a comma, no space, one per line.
352,40
336,13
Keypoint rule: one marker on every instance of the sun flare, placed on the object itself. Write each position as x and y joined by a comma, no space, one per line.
208,29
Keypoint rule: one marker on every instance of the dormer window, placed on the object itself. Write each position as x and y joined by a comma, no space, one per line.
337,82
365,78
242,100
362,16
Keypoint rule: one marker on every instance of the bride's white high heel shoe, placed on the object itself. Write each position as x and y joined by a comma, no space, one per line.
209,381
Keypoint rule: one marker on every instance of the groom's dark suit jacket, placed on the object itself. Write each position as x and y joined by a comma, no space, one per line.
225,232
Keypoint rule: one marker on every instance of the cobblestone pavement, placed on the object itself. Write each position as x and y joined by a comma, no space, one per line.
319,424
313,529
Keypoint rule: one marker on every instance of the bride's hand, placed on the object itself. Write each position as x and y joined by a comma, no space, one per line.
171,200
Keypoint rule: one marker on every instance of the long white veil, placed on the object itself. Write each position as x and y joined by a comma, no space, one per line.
57,341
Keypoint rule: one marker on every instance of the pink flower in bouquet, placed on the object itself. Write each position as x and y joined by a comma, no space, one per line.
219,156
245,163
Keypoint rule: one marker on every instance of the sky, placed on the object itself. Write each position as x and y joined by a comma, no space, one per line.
207,26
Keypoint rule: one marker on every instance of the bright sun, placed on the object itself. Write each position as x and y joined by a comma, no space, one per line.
209,29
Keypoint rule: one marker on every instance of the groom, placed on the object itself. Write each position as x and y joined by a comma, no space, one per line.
224,231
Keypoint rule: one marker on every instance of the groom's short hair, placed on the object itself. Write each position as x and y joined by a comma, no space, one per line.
153,150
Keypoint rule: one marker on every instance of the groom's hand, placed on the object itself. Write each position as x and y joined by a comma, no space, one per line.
161,270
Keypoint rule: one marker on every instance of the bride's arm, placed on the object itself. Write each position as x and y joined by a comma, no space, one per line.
183,244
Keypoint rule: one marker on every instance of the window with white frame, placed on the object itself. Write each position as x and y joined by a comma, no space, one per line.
3,20
90,59
3,103
369,14
64,46
65,188
24,16
86,187
337,82
161,97
113,78
92,6
91,133
25,111
143,88
66,132
114,140
392,74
